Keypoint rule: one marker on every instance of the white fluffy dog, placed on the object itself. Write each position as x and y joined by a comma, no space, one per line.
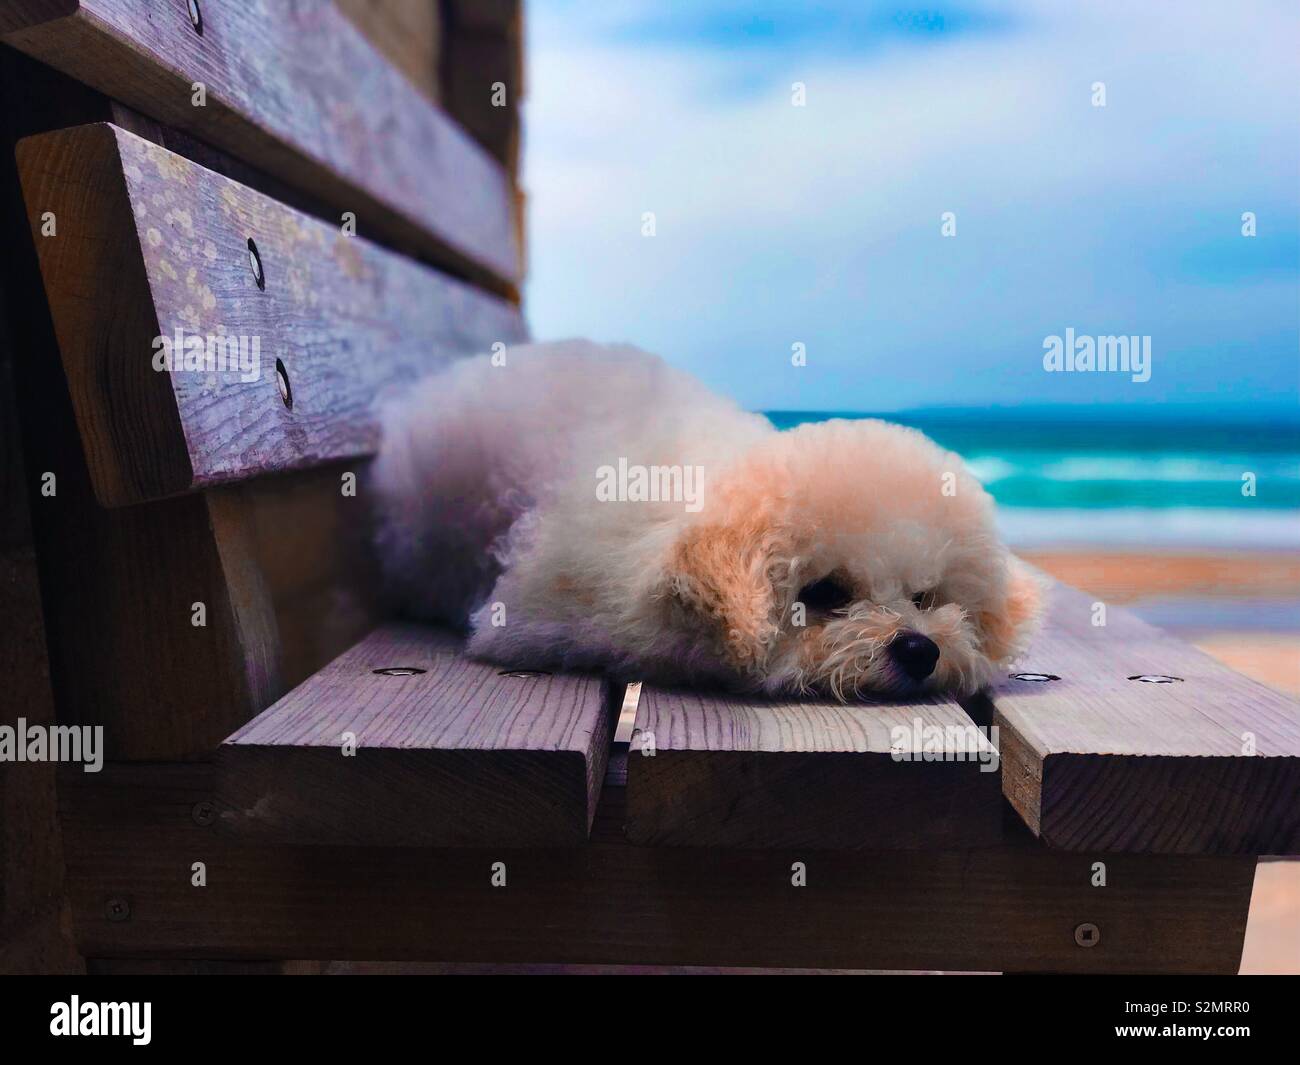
589,506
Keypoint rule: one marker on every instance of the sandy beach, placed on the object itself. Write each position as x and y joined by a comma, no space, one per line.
1124,576
1240,607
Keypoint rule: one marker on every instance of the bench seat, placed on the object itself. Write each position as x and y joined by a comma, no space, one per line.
1094,760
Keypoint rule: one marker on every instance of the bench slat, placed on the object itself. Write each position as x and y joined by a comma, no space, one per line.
297,90
459,755
730,771
1095,761
162,243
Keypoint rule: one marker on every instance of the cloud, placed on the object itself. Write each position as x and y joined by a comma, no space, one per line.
821,223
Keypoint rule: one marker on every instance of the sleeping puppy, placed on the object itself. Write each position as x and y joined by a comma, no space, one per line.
577,505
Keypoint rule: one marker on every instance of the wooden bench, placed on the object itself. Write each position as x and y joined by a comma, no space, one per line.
356,788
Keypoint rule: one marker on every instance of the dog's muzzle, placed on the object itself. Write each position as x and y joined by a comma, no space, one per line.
914,654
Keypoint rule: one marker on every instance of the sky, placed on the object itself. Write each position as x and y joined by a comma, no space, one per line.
821,224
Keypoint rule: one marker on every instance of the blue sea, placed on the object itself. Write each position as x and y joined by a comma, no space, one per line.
1106,477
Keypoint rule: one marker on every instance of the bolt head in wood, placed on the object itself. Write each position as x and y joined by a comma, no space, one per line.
255,262
1087,935
282,382
523,674
196,16
203,813
398,671
1036,678
1156,678
117,909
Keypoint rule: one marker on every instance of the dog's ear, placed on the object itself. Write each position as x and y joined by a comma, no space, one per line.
1009,626
720,574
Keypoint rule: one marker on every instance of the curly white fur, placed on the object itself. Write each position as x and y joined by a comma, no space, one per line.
490,518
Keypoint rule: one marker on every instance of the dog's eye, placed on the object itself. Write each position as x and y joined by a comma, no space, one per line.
828,593
923,600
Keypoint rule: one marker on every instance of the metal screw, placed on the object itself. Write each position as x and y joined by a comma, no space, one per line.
204,813
196,16
1037,678
1156,678
117,909
398,671
524,674
1087,935
282,382
255,261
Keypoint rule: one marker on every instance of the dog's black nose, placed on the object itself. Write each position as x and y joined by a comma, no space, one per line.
915,654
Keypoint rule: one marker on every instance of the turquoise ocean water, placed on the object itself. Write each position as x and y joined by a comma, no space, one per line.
1109,478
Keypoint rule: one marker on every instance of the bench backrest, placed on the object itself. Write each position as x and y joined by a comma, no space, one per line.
258,186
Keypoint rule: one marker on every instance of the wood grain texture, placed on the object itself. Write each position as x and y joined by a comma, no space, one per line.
459,755
19,14
150,243
297,90
118,586
122,585
31,854
408,34
1098,761
306,549
97,291
483,50
131,836
34,929
313,548
740,772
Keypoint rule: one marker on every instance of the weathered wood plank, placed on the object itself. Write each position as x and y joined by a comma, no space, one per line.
730,771
460,754
119,587
297,90
151,245
34,936
482,59
1209,763
131,836
408,34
